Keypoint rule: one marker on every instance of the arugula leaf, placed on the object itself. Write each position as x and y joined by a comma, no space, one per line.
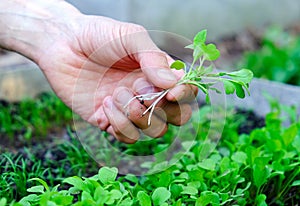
107,174
178,65
160,195
200,37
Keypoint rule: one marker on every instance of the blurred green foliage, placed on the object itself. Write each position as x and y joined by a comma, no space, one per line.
33,117
278,58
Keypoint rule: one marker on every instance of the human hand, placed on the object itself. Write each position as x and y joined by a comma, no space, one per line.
96,65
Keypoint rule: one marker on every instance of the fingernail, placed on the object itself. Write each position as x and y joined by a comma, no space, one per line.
123,96
143,87
166,74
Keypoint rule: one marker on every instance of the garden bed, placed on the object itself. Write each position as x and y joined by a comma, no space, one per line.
255,162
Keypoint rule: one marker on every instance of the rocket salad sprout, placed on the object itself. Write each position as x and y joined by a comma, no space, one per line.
200,73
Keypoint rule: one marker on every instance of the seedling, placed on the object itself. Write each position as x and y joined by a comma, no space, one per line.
200,73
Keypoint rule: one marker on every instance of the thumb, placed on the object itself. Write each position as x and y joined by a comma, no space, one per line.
155,66
153,61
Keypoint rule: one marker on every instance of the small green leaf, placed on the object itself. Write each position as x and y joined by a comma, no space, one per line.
144,198
261,172
208,198
228,86
243,75
290,134
296,183
86,196
29,198
238,89
239,157
200,37
36,189
176,189
207,164
211,52
113,196
126,202
3,202
42,182
131,178
189,190
178,65
100,193
107,174
160,195
63,199
261,200
77,182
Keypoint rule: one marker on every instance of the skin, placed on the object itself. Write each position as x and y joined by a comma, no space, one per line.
96,65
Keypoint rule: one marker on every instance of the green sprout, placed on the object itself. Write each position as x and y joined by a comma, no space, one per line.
200,73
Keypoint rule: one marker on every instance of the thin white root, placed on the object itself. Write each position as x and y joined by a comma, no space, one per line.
149,96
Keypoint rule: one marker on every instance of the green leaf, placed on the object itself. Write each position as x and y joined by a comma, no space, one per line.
238,89
3,202
86,196
107,174
160,195
176,189
290,134
261,200
42,182
296,143
144,198
178,65
200,37
131,178
228,86
207,164
239,157
113,196
261,172
296,183
211,52
63,199
36,189
126,202
77,182
208,198
100,194
29,198
189,190
243,75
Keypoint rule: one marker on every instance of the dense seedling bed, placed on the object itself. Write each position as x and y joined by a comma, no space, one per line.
255,162
256,168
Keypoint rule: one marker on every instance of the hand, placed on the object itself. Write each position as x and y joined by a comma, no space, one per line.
96,65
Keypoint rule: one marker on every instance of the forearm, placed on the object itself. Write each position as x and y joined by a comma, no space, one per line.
29,27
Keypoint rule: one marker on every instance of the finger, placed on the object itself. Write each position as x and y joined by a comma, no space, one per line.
123,129
135,112
152,60
142,86
101,118
155,66
182,93
175,113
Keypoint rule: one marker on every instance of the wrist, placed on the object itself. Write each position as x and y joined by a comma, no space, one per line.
31,27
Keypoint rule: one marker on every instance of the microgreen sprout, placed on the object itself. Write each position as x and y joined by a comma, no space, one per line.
200,73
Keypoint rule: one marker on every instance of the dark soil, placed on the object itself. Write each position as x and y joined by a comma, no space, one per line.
252,121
